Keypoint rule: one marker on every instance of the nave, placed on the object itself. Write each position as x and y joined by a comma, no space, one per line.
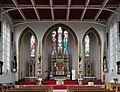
51,45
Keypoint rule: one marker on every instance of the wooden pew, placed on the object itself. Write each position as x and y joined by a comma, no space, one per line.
47,88
32,89
93,91
1,88
24,91
86,89
6,87
110,86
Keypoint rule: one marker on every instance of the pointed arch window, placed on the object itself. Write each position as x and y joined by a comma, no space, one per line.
32,46
60,41
87,46
65,40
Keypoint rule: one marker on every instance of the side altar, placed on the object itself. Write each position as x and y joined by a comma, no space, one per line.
59,66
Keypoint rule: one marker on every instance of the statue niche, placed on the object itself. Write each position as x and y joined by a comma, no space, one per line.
30,69
89,69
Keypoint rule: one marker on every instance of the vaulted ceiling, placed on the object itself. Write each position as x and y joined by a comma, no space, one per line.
99,11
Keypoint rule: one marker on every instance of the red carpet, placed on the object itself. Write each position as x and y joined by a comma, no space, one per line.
58,87
51,83
66,83
26,83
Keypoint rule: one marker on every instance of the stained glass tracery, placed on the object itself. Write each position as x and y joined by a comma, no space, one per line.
54,42
65,42
32,46
60,41
87,46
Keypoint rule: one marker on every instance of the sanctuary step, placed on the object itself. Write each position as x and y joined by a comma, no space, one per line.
66,82
27,81
60,87
96,81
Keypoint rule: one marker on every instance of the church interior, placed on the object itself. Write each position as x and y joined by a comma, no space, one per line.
59,45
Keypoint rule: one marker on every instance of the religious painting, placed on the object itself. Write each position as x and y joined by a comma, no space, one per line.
60,66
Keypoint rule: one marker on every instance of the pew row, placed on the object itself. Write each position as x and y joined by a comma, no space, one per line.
32,89
6,87
87,89
24,91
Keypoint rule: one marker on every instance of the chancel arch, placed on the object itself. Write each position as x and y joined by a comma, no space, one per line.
60,52
27,54
91,50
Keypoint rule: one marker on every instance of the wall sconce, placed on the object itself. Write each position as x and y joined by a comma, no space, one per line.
14,70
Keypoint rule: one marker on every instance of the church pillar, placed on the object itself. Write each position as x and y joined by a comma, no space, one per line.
80,62
36,61
43,73
41,59
19,61
0,38
76,74
99,61
83,61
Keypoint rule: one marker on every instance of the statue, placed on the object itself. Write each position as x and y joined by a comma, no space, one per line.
80,58
14,63
39,62
104,64
39,58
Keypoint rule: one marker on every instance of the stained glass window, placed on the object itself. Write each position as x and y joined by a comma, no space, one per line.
65,42
54,42
87,46
32,46
59,41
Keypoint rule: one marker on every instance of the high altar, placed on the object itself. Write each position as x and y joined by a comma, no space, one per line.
60,66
